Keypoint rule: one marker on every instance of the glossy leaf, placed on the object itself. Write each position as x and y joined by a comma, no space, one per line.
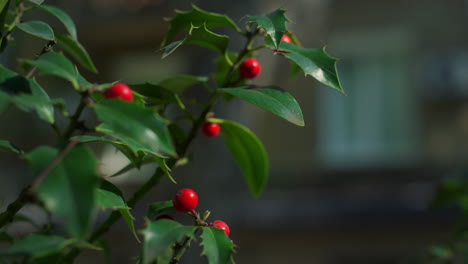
159,207
63,17
274,24
76,50
57,64
199,35
38,29
184,19
217,247
136,126
161,235
36,245
6,145
314,62
164,167
249,153
69,189
134,158
272,99
109,196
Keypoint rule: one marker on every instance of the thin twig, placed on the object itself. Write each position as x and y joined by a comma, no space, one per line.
54,163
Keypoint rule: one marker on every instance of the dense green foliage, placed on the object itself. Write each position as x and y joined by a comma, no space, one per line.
138,128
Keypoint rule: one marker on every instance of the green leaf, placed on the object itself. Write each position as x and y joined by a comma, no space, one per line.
38,29
69,188
314,62
37,246
223,70
38,101
184,19
37,2
109,196
274,25
126,150
217,247
28,96
161,235
249,153
136,126
5,73
201,36
86,85
156,208
76,50
179,83
7,145
155,92
272,99
3,4
63,17
57,64
163,165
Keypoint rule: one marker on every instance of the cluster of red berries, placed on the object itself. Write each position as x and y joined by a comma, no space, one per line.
185,201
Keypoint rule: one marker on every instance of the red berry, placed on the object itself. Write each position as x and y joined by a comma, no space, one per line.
286,38
120,90
165,216
221,225
185,200
210,129
250,68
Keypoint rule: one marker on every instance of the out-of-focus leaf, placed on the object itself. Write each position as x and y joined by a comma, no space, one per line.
28,96
184,19
161,235
217,247
69,189
37,246
37,2
38,29
7,145
57,64
248,151
179,83
76,50
272,99
63,17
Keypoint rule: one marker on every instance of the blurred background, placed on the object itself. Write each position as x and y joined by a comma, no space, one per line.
353,186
